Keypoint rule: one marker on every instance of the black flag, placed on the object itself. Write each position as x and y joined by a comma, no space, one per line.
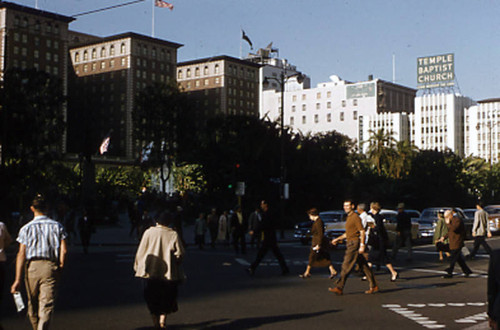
246,38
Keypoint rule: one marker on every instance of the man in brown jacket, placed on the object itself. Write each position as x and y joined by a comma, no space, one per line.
355,247
456,236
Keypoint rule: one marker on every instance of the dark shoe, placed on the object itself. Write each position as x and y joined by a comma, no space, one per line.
394,278
336,290
372,290
250,271
285,272
304,276
467,274
447,276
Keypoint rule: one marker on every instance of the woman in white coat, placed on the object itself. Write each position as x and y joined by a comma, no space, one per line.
158,262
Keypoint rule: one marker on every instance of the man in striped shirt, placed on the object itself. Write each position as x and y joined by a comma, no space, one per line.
42,251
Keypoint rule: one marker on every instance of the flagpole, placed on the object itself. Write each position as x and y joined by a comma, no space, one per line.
153,18
241,44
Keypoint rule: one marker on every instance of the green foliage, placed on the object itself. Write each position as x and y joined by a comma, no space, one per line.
121,181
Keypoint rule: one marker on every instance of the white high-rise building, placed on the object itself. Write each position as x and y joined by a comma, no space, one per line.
439,121
482,130
338,105
397,124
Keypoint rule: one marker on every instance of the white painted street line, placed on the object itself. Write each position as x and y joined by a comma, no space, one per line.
456,304
474,318
477,304
391,306
437,305
416,305
242,262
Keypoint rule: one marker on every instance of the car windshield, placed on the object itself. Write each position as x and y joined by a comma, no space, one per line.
331,217
492,209
429,214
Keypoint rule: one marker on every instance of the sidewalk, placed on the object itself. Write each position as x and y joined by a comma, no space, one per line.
118,234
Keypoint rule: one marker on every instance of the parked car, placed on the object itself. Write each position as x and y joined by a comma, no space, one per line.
331,219
494,216
470,212
390,223
429,218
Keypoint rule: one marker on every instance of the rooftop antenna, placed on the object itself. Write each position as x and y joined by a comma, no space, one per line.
393,68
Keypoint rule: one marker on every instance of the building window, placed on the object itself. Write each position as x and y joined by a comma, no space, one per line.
316,118
103,52
328,105
179,74
292,121
355,102
343,103
318,95
77,57
37,26
329,94
94,54
304,107
112,63
293,108
217,80
197,72
303,119
122,48
217,68
188,73
94,66
36,53
85,56
48,28
342,116
294,98
124,61
303,97
112,50
355,115
329,117
206,82
197,83
103,65
205,70
153,52
318,106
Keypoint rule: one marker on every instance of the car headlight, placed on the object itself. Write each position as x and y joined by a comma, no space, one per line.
434,224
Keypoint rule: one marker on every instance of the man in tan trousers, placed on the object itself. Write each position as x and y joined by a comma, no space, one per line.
42,252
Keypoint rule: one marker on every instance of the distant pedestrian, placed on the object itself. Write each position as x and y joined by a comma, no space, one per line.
145,222
269,242
5,240
158,262
403,231
213,224
178,223
355,247
223,233
494,290
253,225
86,228
42,252
239,227
441,230
378,255
480,230
200,228
319,255
456,235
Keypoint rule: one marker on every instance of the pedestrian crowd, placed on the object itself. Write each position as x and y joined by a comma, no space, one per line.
43,244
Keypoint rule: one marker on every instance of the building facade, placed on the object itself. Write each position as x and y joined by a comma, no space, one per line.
338,105
398,124
221,85
482,130
107,75
439,121
32,38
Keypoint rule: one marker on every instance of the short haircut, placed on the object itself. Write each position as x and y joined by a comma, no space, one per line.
165,218
40,204
375,206
480,203
362,206
313,211
349,201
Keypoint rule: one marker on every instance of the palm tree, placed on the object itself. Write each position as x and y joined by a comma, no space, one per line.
402,156
379,149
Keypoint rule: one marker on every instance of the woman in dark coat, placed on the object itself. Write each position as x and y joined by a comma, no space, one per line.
319,255
379,242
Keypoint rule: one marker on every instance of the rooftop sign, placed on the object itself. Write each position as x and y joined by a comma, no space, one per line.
436,71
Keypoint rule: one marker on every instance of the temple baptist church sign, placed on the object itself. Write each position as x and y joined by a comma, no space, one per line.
436,71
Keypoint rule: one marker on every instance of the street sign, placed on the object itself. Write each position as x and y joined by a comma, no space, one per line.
240,188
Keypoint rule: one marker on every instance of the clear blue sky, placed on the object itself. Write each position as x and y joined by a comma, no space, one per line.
351,39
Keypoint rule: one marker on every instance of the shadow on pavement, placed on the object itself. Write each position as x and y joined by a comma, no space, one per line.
247,323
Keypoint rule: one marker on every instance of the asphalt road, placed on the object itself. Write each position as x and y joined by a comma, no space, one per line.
98,291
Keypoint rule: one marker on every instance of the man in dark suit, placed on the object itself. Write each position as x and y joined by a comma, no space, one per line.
456,236
267,227
494,290
239,227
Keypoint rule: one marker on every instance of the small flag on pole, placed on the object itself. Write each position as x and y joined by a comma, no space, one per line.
164,4
104,145
246,38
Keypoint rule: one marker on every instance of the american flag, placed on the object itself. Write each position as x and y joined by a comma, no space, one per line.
164,4
104,145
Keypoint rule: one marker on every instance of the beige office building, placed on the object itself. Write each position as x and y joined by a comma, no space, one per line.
107,74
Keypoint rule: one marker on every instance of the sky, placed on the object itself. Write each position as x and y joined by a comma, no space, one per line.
351,39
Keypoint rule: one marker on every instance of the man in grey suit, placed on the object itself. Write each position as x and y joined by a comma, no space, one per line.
480,230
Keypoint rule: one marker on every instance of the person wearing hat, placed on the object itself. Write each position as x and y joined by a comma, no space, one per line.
403,231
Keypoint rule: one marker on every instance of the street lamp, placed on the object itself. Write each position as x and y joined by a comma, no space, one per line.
281,80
